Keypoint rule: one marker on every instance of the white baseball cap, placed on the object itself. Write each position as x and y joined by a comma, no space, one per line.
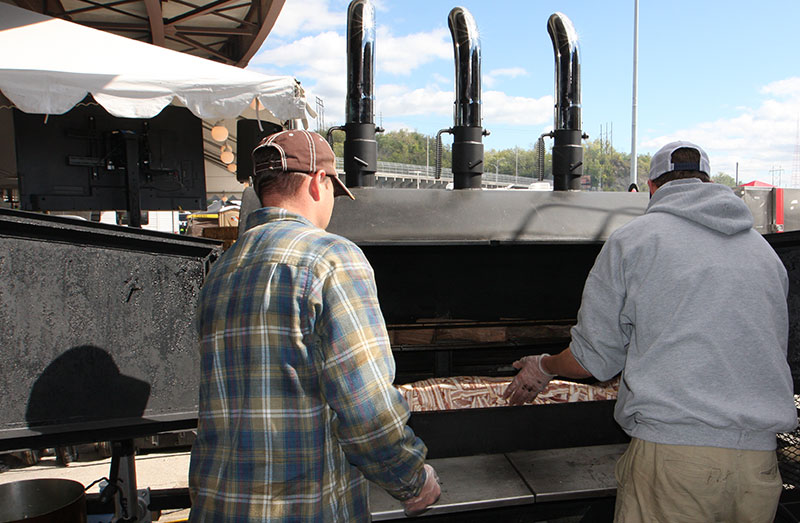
661,163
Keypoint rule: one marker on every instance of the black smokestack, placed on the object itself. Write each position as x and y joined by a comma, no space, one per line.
360,147
467,129
567,147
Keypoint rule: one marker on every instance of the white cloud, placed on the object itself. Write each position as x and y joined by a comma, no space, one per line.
312,57
760,139
437,78
403,54
491,78
512,72
380,5
397,126
307,17
318,62
499,107
398,100
787,87
395,101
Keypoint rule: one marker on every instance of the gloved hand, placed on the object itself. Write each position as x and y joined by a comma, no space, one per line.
427,496
529,381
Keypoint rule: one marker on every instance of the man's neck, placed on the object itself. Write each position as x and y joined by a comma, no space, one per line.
293,206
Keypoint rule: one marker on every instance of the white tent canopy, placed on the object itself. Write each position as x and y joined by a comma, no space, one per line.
48,65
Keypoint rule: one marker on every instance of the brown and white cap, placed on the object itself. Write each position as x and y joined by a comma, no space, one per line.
303,152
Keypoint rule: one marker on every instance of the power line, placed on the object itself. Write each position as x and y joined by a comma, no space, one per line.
779,172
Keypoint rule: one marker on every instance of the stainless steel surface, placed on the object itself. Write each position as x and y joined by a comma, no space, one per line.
42,500
568,72
467,49
791,209
570,473
765,203
360,62
391,216
468,483
761,203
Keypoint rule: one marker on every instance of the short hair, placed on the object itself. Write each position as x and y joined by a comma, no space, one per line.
267,179
683,155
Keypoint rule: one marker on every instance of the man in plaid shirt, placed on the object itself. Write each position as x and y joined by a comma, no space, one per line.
297,405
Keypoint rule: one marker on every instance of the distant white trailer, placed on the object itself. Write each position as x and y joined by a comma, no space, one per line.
164,221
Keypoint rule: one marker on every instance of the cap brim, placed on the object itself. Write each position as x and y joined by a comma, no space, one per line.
340,189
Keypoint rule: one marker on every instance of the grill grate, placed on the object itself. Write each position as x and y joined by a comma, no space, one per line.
789,455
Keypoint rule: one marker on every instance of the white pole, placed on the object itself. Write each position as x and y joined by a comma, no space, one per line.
427,153
634,162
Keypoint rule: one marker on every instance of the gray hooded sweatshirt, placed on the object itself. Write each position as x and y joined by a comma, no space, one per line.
689,302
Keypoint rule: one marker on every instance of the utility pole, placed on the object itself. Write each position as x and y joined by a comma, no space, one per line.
634,163
320,114
796,162
427,154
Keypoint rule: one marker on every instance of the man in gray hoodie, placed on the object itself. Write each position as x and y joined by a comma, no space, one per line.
688,302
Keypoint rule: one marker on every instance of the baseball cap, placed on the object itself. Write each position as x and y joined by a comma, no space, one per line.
661,163
301,152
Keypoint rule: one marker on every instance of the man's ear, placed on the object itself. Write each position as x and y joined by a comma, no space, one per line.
315,185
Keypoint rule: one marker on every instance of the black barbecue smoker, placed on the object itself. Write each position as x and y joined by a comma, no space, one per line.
454,265
95,320
469,261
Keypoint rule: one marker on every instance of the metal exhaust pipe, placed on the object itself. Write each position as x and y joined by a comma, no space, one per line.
467,129
360,147
567,147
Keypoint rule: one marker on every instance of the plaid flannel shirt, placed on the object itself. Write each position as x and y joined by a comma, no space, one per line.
296,395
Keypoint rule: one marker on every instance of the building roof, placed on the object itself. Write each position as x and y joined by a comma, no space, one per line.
227,31
756,183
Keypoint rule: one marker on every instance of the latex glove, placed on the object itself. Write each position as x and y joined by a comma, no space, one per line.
427,496
529,381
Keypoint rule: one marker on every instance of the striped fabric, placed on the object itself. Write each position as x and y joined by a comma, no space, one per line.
296,395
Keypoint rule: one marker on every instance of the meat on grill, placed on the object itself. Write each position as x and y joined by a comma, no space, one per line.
472,392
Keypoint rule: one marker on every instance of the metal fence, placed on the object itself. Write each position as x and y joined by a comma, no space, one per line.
427,173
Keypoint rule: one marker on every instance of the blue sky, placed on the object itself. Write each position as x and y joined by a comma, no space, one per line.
724,74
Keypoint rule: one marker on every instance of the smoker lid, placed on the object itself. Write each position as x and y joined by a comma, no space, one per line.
430,216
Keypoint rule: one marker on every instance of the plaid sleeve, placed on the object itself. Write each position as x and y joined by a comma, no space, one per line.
356,376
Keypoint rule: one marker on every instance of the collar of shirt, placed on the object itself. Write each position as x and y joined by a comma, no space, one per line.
272,214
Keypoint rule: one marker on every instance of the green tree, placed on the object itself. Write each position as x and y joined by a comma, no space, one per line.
642,170
605,166
338,141
608,169
724,179
401,147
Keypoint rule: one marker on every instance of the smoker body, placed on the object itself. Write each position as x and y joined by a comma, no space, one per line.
488,269
96,330
463,261
470,264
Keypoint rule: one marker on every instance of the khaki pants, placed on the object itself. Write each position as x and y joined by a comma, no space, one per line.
677,483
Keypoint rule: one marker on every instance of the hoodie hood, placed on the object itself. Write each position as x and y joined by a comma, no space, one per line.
711,205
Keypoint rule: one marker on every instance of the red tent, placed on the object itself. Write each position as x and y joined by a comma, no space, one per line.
756,183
